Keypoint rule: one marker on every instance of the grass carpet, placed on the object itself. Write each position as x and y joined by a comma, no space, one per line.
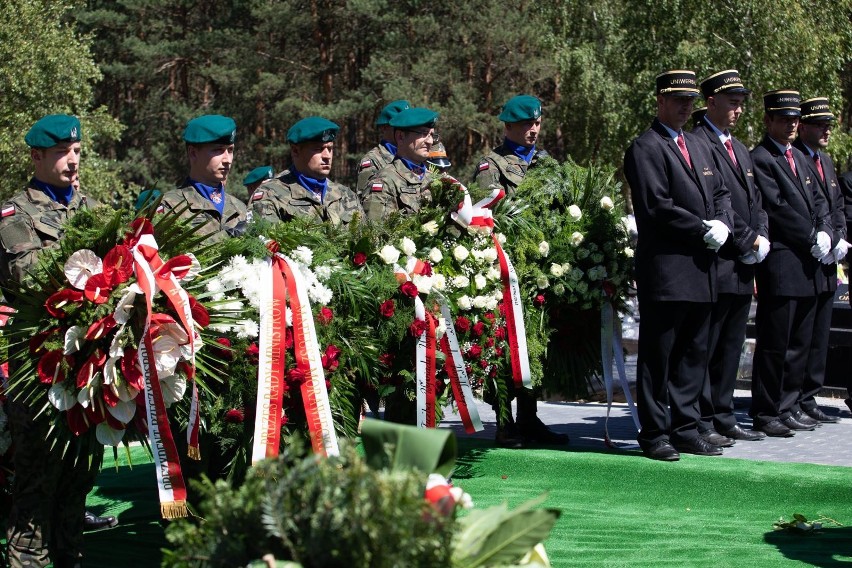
619,509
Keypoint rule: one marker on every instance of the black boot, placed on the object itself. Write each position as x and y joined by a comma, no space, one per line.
529,424
92,522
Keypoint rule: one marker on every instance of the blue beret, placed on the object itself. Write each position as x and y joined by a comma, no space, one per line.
312,128
258,174
53,129
414,117
520,108
210,129
391,110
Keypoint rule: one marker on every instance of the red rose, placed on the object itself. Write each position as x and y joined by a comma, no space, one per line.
288,338
252,353
539,300
50,366
462,324
235,416
225,353
500,333
60,299
479,328
408,289
387,308
386,359
493,372
330,358
427,269
489,342
296,376
475,351
359,259
325,315
468,369
484,363
498,351
490,316
417,327
328,385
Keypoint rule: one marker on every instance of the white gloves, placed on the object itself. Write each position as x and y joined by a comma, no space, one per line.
822,246
840,250
759,255
716,235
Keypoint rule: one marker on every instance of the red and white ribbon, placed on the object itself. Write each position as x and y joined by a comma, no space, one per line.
611,348
476,216
513,305
462,393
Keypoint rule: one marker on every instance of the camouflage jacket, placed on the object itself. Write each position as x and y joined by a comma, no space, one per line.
393,189
371,163
282,198
192,205
32,221
503,167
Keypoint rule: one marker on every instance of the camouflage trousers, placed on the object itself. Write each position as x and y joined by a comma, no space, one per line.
48,495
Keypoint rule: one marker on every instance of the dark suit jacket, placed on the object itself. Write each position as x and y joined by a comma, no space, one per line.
846,189
670,202
797,211
830,189
750,219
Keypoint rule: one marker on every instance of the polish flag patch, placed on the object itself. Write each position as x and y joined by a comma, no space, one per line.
257,196
377,186
8,211
366,164
484,166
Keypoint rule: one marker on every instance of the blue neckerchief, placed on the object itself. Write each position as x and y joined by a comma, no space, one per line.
419,169
524,153
61,195
215,195
389,146
315,186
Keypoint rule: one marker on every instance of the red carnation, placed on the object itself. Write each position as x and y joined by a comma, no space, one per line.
500,333
100,328
118,265
479,329
539,300
501,307
484,363
50,366
199,312
387,308
225,352
462,324
330,358
58,300
475,351
490,316
489,342
288,338
98,288
253,353
325,315
498,351
427,269
408,289
235,416
359,259
417,327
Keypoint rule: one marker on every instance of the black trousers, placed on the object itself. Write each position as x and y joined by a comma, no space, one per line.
818,355
727,335
672,368
784,332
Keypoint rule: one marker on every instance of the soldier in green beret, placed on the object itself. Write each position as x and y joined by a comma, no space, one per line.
507,164
202,198
305,190
256,177
383,154
402,184
49,492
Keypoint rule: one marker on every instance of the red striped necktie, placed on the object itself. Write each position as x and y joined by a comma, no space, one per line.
818,163
682,145
789,155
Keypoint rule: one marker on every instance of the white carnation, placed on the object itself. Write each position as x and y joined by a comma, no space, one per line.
542,282
606,203
480,281
556,269
408,247
303,255
461,281
323,272
439,281
430,228
435,255
543,248
389,254
575,213
576,238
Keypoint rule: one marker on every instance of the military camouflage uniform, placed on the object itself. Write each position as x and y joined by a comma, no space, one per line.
196,207
282,198
503,167
372,162
394,188
49,492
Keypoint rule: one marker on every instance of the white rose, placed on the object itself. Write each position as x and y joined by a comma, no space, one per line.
628,252
480,281
501,238
408,247
491,302
566,267
556,269
490,254
435,255
440,329
606,203
575,213
461,281
389,254
480,302
423,283
460,253
464,303
543,248
493,273
576,238
439,281
477,254
430,228
542,282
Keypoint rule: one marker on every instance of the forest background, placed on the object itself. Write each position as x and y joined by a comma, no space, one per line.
136,70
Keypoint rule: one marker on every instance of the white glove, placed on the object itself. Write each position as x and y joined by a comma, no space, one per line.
840,250
822,246
749,258
763,247
716,235
827,259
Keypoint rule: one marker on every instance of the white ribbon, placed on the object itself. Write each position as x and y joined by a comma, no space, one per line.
611,347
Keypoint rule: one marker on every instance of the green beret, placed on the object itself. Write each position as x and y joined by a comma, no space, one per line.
210,129
53,129
257,174
520,108
312,128
414,117
391,110
146,197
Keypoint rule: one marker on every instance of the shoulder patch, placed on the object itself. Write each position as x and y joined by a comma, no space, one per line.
8,211
256,196
376,186
484,166
366,164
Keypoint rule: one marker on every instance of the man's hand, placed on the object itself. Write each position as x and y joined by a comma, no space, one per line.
822,246
841,250
716,235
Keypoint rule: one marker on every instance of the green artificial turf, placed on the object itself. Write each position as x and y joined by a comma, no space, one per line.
618,509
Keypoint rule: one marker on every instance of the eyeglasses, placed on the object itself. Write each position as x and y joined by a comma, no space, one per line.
425,133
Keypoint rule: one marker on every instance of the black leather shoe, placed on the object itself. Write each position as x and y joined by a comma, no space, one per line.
817,414
848,402
536,431
775,429
92,522
803,418
713,437
662,450
794,424
698,446
740,433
